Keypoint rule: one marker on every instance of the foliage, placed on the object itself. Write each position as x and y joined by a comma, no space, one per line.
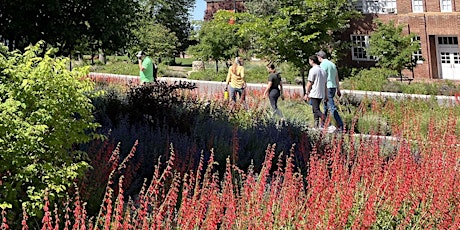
208,75
109,23
378,79
69,25
345,171
392,49
154,39
296,30
373,124
217,39
262,7
373,79
45,112
175,15
361,187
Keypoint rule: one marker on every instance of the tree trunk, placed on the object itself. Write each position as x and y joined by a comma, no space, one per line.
302,74
70,61
217,66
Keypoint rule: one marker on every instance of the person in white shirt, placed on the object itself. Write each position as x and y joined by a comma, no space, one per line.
316,89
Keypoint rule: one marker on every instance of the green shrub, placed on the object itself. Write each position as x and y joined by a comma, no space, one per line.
393,86
372,79
45,113
373,124
447,88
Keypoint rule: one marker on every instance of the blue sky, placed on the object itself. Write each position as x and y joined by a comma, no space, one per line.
198,12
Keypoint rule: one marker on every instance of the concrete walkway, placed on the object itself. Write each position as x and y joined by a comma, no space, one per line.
213,87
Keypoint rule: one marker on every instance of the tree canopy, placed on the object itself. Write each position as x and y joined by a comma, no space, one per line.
297,29
217,39
392,49
67,24
175,15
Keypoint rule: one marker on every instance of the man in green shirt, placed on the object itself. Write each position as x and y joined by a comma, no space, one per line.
333,87
145,68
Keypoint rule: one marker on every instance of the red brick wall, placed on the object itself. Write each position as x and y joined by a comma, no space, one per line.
427,25
432,6
404,6
213,7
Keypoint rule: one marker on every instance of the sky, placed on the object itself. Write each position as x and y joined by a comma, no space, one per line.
198,12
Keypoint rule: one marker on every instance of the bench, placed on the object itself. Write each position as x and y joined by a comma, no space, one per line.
401,78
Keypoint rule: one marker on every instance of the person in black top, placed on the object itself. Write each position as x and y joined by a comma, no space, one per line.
274,90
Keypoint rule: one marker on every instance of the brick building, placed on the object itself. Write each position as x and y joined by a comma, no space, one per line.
212,6
436,23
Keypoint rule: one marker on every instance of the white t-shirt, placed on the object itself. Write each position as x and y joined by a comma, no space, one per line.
318,77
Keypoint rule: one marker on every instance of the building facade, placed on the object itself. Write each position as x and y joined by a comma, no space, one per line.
212,6
435,22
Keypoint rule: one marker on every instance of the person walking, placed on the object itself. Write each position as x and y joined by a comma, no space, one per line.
145,68
316,90
333,88
274,90
235,78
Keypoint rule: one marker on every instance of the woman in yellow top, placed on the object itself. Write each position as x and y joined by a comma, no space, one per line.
235,78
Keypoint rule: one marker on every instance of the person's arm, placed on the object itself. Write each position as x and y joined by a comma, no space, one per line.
309,85
281,91
269,85
141,67
242,76
326,98
228,78
337,82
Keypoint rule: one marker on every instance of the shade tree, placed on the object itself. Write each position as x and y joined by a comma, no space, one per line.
391,48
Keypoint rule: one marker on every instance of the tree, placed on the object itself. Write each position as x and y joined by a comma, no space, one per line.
110,23
66,24
45,112
297,29
262,7
392,49
217,39
155,39
174,15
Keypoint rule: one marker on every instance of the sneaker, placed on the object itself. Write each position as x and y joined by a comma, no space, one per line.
331,129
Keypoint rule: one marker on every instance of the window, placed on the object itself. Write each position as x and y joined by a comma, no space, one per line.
358,49
418,54
417,6
448,41
375,6
446,6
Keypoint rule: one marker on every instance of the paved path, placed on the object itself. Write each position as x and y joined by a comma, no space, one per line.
213,87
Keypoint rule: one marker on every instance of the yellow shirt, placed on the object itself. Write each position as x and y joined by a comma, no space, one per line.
236,80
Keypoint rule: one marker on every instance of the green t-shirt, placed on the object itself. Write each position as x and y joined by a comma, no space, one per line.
147,74
331,71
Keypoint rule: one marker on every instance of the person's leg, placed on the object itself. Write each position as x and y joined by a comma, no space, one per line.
232,93
317,114
274,96
332,108
239,92
330,96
